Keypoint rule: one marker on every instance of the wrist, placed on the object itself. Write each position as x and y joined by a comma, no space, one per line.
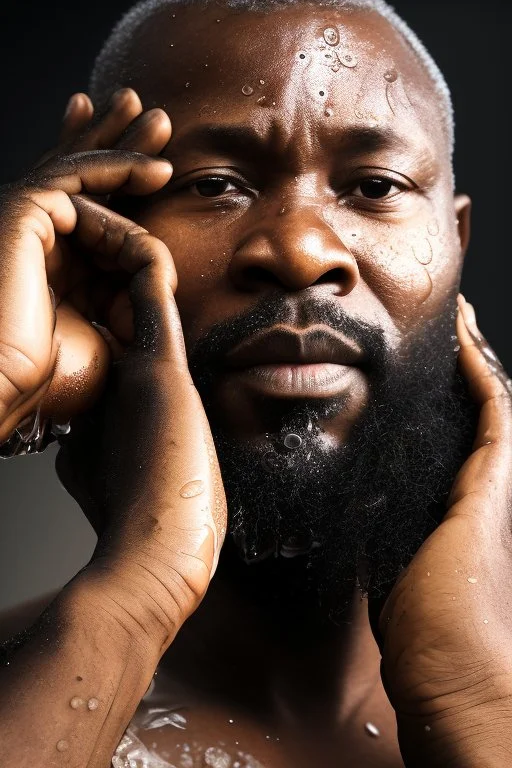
117,598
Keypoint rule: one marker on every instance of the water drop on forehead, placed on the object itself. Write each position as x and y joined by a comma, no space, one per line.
391,75
331,36
247,90
348,59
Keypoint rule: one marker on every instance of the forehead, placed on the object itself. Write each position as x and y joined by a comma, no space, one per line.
309,66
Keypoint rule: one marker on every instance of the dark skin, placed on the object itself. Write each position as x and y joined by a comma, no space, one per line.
297,219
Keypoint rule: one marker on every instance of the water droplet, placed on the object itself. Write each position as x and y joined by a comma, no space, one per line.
218,21
302,55
433,227
391,75
262,82
348,60
486,621
187,85
282,211
217,758
93,704
62,745
427,728
191,489
292,441
328,113
247,90
372,730
76,702
261,100
231,721
472,580
331,36
321,93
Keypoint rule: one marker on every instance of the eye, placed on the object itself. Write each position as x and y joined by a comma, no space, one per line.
213,186
376,188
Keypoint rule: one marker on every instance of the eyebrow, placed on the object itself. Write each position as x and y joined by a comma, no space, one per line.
243,140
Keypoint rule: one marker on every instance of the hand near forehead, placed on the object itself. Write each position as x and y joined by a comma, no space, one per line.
446,627
59,363
140,460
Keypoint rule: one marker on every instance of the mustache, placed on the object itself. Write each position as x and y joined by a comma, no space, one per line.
207,355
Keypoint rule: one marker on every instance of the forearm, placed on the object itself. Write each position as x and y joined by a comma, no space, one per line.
68,694
479,737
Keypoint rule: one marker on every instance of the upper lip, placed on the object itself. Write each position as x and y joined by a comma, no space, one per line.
316,344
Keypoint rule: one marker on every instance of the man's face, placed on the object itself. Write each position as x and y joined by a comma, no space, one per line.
311,219
331,181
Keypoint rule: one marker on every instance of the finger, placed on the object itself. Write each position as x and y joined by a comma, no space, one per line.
124,107
81,366
103,172
117,241
488,382
149,133
484,476
78,114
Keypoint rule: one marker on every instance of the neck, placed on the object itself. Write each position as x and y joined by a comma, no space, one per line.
281,659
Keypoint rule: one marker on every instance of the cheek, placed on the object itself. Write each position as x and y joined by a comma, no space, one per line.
411,269
201,261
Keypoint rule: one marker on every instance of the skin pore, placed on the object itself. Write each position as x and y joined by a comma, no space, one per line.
289,215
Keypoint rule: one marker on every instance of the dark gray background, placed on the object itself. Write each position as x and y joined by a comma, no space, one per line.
46,51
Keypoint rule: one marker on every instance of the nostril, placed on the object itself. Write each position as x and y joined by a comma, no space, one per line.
259,276
336,275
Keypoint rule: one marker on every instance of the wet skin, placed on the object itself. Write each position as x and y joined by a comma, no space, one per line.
295,219
288,212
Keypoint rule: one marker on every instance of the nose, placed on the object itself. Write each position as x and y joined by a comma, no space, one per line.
294,251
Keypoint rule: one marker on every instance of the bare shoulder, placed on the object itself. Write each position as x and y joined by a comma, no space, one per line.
22,616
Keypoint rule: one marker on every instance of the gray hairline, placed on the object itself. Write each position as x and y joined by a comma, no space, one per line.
112,58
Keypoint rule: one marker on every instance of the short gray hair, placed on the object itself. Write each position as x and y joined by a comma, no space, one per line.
113,58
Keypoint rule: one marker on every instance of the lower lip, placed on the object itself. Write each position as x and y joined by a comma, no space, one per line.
307,380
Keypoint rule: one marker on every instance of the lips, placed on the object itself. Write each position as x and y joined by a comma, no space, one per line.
283,346
283,362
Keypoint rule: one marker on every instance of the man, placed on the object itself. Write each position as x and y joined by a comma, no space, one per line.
290,283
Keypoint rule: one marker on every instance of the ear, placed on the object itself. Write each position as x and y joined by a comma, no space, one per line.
463,213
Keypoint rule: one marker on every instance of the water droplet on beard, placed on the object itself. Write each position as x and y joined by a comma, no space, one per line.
292,441
247,90
391,75
191,489
331,36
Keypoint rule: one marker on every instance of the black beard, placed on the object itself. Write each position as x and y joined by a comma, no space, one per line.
320,522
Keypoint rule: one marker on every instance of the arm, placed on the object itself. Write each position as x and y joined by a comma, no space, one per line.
157,547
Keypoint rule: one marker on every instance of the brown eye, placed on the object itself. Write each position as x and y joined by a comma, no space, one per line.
376,188
212,187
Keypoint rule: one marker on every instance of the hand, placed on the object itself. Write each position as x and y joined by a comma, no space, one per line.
145,458
447,624
43,358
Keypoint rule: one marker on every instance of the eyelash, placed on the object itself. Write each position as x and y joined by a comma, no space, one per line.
240,187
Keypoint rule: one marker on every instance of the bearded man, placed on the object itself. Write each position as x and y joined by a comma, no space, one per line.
258,366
